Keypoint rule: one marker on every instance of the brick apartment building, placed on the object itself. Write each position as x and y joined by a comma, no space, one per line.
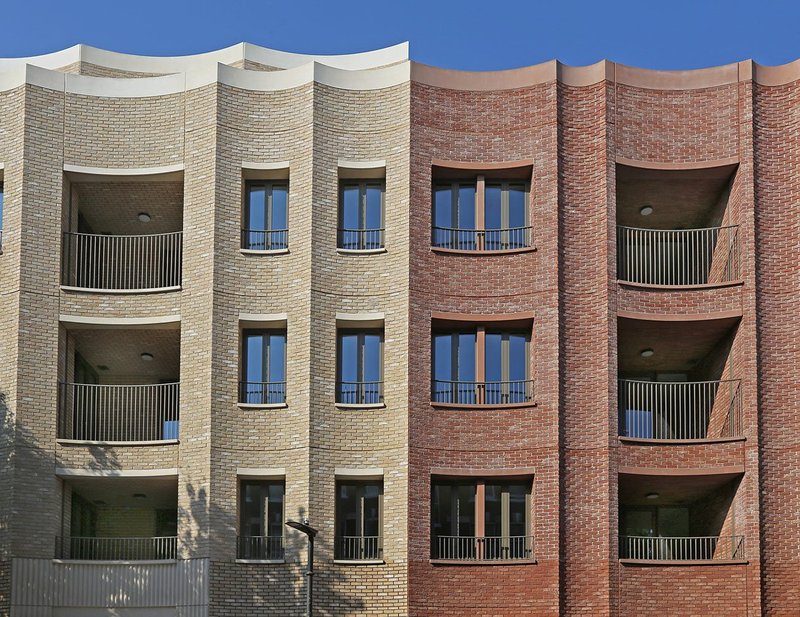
515,343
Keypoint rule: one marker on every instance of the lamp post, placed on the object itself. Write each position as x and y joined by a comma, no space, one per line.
305,528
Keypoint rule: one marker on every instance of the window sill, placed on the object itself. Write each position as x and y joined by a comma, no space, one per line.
486,562
678,442
261,561
92,290
262,406
86,442
265,252
361,405
501,406
673,563
359,562
681,287
360,251
446,251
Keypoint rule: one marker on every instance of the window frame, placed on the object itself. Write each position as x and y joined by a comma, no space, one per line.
363,185
266,360
264,484
361,333
269,187
360,485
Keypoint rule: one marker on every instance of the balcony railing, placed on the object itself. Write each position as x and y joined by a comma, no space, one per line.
359,392
262,393
678,257
1,241
123,263
260,548
490,548
482,239
265,239
680,410
482,393
359,548
702,548
117,549
90,412
360,239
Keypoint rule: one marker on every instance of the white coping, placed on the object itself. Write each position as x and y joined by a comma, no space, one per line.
360,316
120,322
124,171
279,165
65,472
358,472
345,164
264,317
261,472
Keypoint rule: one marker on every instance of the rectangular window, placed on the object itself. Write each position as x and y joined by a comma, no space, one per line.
481,216
359,520
361,215
263,367
360,367
481,520
481,366
266,220
261,505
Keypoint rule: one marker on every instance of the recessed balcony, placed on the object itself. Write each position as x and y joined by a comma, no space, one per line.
676,381
120,387
120,519
123,237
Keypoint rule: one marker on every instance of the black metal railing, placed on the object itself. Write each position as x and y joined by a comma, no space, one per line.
359,548
265,239
260,548
482,239
262,393
482,393
117,549
359,392
360,239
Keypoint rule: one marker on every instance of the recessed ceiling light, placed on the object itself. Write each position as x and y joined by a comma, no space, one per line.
143,217
646,353
651,496
139,496
644,210
147,357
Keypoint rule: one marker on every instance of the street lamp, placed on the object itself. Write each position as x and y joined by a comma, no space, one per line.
305,528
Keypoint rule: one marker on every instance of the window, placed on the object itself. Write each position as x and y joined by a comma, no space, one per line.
264,367
481,367
360,368
359,520
481,520
261,526
361,215
266,216
481,216
1,217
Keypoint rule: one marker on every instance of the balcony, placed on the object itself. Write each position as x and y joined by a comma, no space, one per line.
265,240
116,549
262,393
675,227
360,239
359,548
120,386
486,548
123,236
702,548
482,240
260,548
482,393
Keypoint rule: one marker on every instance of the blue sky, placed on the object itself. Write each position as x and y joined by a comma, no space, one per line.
466,34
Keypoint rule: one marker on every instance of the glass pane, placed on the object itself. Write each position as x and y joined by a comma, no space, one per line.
374,215
1,207
493,212
441,510
372,357
442,367
443,207
673,522
347,522
277,368
256,208
517,357
350,207
494,507
466,510
254,358
466,207
280,199
494,361
275,512
517,515
517,208
466,356
348,357
639,523
251,508
371,510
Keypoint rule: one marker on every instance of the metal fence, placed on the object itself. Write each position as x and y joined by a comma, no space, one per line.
262,393
482,393
360,239
680,410
482,239
359,392
700,548
260,548
120,263
490,548
117,549
678,257
359,548
90,412
265,239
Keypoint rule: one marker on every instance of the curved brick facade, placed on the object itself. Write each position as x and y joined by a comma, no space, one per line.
202,130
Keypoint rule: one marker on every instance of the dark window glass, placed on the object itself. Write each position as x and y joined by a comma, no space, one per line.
264,369
1,206
266,216
358,520
360,367
454,221
454,367
506,368
361,215
261,524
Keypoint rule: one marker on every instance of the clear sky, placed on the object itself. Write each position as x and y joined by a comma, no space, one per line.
466,34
